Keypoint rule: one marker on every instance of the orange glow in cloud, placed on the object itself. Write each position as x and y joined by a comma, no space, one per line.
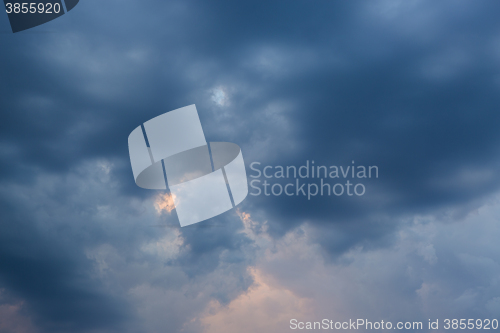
165,202
264,308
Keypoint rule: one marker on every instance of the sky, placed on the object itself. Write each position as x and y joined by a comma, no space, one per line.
412,87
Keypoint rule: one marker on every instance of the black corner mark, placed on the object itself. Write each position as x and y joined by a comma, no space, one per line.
26,15
70,4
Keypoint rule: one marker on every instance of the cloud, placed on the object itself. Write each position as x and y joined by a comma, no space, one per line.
165,202
13,318
220,97
409,86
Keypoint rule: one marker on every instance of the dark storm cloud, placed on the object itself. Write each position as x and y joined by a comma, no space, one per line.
411,88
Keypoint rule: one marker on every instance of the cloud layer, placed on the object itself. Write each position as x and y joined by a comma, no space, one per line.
409,86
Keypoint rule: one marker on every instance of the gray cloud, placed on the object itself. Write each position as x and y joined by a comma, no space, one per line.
409,86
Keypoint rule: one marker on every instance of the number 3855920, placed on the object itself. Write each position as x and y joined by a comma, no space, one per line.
32,8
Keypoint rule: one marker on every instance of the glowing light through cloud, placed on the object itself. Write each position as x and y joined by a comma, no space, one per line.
220,96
